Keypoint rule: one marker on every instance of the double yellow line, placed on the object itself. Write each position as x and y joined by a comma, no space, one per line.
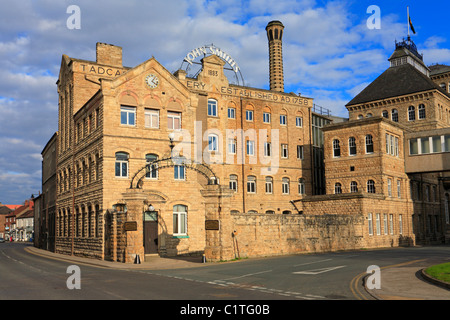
356,280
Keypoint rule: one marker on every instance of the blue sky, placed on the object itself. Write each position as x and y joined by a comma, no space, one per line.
329,54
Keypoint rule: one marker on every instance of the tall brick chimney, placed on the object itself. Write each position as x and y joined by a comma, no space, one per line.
109,55
275,36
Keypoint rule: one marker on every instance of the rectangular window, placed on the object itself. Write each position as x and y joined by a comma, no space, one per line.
399,189
299,122
231,146
178,172
391,224
390,187
231,113
413,147
212,142
269,185
173,120
370,224
385,222
378,224
300,152
128,115
179,223
437,146
283,119
400,224
266,117
285,186
152,118
267,149
249,115
233,183
284,151
250,148
212,108
251,184
425,144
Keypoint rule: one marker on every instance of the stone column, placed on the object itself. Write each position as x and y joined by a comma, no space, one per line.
219,243
134,199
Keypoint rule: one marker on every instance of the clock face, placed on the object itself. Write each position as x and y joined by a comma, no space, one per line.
152,81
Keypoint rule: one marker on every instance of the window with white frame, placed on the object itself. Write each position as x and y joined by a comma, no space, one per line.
400,224
284,151
422,113
267,149
353,187
369,144
179,220
399,189
266,117
352,146
370,224
269,185
411,113
394,115
390,187
128,115
250,147
285,186
300,152
121,165
152,118
337,188
213,142
179,172
336,149
233,182
249,115
301,186
212,108
391,223
173,120
152,169
283,120
378,224
231,113
385,223
251,184
232,146
299,122
370,186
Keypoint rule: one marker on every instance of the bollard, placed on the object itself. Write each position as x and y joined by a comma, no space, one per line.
137,260
203,259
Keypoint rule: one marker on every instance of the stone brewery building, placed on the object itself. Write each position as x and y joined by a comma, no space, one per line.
151,162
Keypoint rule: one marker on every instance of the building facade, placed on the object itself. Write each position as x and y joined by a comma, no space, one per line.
153,162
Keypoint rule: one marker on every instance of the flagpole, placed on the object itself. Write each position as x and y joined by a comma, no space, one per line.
408,24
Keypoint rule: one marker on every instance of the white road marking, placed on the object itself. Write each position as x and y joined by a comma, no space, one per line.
318,271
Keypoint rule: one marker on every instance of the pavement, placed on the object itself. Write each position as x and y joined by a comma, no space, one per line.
399,282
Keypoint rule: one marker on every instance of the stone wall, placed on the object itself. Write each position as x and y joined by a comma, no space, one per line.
274,234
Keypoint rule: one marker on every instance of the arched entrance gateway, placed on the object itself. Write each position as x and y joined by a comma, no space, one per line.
147,221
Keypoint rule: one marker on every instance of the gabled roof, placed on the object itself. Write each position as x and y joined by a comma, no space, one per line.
396,81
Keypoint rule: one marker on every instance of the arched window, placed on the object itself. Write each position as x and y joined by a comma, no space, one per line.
394,115
301,186
179,220
122,164
336,148
385,114
353,187
251,184
369,144
151,171
422,114
411,113
212,108
233,182
285,186
352,146
269,185
337,188
370,186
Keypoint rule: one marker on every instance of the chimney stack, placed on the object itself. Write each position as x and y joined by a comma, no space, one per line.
275,36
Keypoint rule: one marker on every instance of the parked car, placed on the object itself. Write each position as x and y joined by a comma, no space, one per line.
2,240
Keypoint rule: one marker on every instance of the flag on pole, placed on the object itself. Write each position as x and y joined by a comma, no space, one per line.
411,25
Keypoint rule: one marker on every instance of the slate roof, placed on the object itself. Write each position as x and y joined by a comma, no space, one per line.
396,81
438,69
